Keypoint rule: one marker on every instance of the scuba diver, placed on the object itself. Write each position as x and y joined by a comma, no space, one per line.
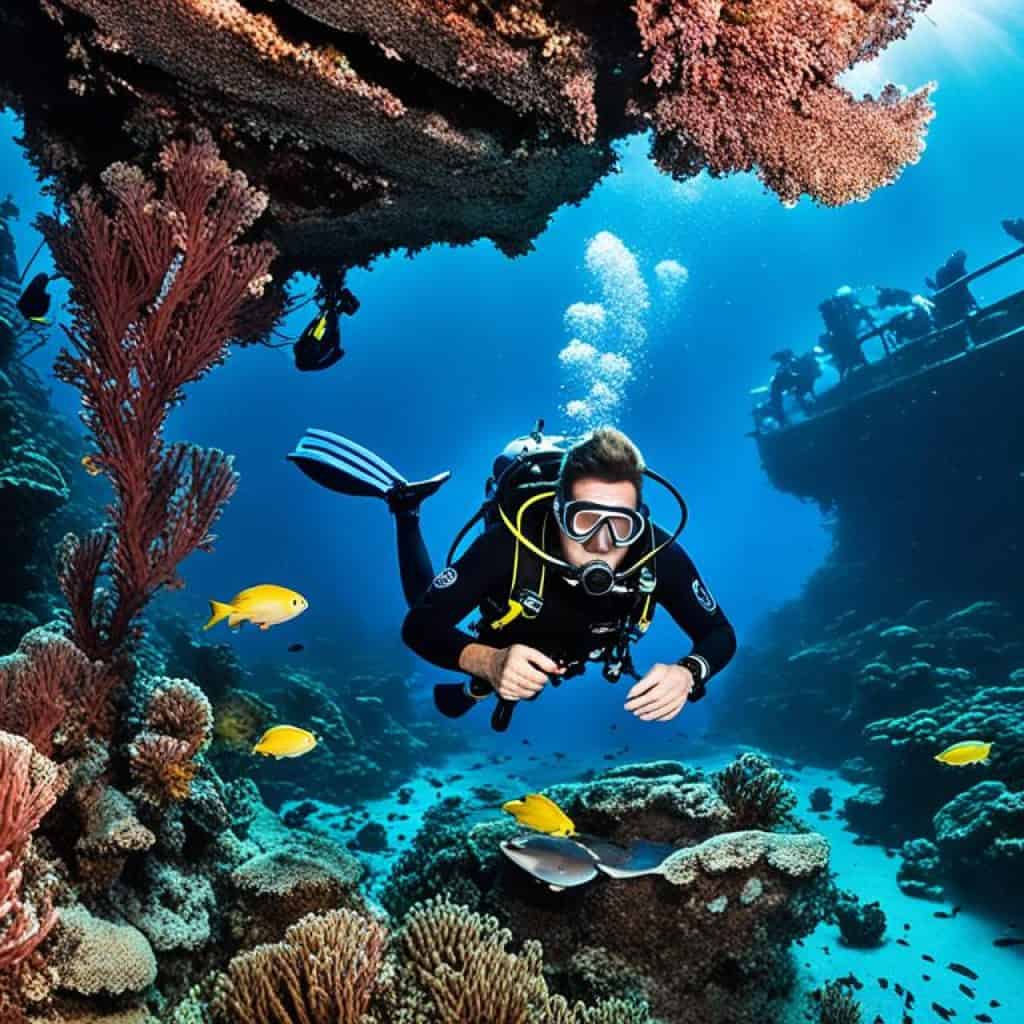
844,316
568,570
952,305
795,375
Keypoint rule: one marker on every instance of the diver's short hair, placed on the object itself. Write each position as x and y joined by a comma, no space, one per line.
605,453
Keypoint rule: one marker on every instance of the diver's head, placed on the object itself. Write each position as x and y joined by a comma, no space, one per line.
597,505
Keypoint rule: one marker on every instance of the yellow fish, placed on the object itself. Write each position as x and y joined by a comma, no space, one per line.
285,741
967,752
264,605
91,466
537,811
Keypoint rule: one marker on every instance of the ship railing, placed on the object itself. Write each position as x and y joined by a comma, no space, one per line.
959,326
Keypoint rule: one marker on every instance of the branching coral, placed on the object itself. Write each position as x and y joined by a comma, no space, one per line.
460,959
52,694
159,286
322,973
162,767
837,1005
180,709
755,792
751,85
29,786
177,726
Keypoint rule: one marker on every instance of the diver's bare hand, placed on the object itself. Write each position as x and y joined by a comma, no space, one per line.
661,694
519,671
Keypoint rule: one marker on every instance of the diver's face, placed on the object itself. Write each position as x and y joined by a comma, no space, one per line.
622,493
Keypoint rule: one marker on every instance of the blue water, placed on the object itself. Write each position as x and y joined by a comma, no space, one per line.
455,351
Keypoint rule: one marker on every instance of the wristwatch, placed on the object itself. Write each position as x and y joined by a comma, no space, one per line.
700,670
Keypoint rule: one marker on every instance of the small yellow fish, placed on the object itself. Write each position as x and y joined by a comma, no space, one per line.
967,752
285,741
537,811
91,466
264,605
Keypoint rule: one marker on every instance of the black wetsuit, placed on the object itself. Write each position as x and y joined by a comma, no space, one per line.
572,626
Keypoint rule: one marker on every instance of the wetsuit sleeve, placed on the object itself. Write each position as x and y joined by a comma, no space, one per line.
431,626
694,609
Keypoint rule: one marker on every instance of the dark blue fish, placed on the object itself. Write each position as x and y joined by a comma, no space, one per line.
965,971
34,302
319,345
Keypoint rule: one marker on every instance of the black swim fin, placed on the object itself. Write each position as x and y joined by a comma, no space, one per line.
341,465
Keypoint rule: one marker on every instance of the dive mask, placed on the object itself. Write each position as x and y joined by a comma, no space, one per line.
581,520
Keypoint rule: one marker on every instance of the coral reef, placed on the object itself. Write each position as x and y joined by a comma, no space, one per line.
377,124
899,690
745,893
980,837
126,862
836,1004
446,964
373,738
324,970
755,792
29,786
860,924
920,872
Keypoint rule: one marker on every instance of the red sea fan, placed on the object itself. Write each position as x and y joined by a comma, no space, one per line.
159,287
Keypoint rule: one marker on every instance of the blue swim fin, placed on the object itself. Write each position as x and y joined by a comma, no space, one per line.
341,465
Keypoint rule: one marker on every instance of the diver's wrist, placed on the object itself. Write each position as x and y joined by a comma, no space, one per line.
479,660
699,670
